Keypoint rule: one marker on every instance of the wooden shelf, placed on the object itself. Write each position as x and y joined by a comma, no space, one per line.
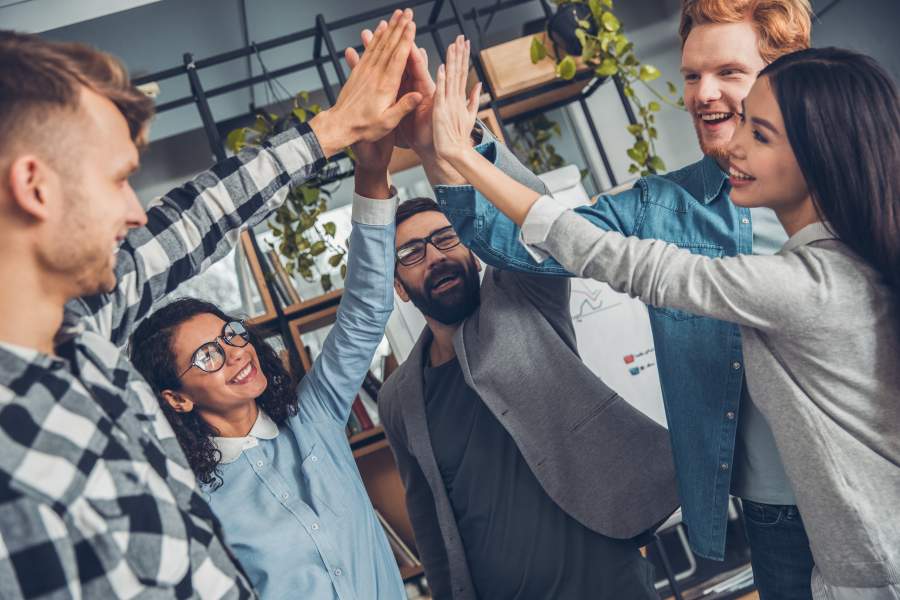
314,304
408,573
363,436
378,446
509,71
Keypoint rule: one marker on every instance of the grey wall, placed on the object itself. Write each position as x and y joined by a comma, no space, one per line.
868,26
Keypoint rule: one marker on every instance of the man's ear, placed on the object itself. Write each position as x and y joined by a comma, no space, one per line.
401,291
32,182
179,402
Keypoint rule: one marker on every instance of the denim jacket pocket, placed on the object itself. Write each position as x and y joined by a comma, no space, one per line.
705,249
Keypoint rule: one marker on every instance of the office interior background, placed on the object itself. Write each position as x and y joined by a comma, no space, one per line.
153,35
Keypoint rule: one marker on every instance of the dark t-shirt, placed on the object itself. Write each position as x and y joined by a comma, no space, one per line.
518,542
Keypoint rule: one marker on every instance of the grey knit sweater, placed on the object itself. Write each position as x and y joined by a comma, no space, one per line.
820,340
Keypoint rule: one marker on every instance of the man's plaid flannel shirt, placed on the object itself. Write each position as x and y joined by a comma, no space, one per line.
96,496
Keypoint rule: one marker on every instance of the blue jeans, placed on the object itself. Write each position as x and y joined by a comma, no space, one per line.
779,551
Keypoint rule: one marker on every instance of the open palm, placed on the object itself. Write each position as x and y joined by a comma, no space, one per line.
454,114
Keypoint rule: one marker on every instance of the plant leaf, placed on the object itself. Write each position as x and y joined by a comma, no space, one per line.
657,164
317,248
654,106
330,228
538,51
610,22
335,259
580,35
672,89
649,73
635,155
566,68
310,195
608,67
236,139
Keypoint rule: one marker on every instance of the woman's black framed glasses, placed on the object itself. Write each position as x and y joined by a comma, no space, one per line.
413,251
210,357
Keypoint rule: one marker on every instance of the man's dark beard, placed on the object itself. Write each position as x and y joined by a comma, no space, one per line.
454,305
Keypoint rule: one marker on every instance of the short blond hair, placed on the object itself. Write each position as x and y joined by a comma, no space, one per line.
782,26
38,76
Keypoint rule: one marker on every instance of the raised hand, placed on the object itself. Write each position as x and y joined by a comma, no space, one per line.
454,114
368,108
374,157
414,130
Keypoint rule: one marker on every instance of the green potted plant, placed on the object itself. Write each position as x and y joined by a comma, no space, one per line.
530,142
302,238
590,30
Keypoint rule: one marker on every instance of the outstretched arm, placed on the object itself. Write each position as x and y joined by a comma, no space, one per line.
757,291
490,233
328,390
197,224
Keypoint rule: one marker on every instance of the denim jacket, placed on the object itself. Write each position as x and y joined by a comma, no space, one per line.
701,367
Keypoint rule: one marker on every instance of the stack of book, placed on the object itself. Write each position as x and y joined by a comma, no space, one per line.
364,412
281,280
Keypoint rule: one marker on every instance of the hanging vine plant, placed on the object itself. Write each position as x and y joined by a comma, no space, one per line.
301,238
530,142
590,30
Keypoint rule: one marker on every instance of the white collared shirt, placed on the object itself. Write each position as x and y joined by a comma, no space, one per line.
231,447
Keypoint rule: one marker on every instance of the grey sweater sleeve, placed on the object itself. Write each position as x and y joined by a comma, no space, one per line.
763,292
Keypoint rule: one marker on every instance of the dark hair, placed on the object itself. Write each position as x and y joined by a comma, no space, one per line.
840,110
154,357
414,206
38,75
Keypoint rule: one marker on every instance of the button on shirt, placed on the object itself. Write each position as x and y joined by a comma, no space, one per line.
691,209
96,497
292,504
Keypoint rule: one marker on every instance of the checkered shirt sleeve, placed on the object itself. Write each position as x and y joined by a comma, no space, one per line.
195,225
96,497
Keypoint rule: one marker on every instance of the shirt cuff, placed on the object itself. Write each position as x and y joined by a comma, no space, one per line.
537,224
371,211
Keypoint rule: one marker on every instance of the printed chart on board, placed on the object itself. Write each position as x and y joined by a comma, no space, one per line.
615,341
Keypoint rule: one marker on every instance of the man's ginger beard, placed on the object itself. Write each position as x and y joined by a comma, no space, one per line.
718,152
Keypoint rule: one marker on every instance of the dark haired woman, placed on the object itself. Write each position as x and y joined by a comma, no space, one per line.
819,143
273,458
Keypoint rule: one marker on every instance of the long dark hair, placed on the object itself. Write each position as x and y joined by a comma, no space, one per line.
154,357
841,110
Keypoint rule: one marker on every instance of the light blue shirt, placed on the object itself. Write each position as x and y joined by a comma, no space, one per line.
293,506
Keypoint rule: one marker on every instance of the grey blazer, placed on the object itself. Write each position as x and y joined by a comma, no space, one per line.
601,460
